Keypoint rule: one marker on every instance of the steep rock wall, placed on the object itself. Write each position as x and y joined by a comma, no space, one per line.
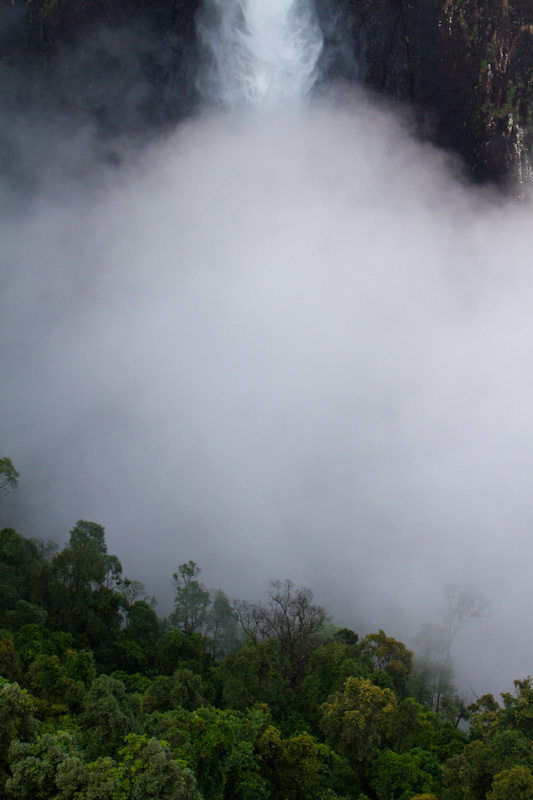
124,63
465,65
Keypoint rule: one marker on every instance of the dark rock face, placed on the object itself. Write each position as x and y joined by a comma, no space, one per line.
121,63
380,46
465,65
468,63
490,56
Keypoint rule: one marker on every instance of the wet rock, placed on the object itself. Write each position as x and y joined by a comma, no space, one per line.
466,66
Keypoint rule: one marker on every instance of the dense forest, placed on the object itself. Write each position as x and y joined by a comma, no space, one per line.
103,700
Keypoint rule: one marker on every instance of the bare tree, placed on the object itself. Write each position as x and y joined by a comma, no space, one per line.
433,646
462,606
290,617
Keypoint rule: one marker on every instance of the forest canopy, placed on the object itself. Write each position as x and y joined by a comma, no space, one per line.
101,699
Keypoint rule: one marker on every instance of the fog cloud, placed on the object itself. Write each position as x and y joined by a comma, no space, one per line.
284,344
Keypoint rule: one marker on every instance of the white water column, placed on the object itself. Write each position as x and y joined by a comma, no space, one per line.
258,52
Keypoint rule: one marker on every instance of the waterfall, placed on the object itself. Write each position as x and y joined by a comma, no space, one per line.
258,52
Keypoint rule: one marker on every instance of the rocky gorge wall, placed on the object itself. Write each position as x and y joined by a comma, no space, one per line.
467,63
466,66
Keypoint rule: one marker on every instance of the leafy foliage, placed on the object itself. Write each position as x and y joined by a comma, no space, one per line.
390,656
356,720
102,700
8,476
192,600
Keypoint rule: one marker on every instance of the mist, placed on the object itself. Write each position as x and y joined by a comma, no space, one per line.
282,342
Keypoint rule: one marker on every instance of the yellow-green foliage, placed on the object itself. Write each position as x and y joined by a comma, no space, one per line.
356,720
425,796
512,784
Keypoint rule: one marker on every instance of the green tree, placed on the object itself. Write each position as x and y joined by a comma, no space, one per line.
518,707
327,671
176,649
151,773
411,726
35,640
219,746
109,714
52,768
21,567
390,656
425,796
62,679
448,740
182,688
84,564
191,602
137,640
398,776
355,721
8,476
254,675
9,661
81,602
486,717
17,721
296,768
470,774
512,784
346,636
24,613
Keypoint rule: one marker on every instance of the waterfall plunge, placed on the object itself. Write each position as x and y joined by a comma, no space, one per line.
260,52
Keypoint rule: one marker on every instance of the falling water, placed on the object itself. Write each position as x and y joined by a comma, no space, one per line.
258,52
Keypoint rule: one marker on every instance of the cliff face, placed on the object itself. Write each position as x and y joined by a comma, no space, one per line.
124,64
466,65
488,50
